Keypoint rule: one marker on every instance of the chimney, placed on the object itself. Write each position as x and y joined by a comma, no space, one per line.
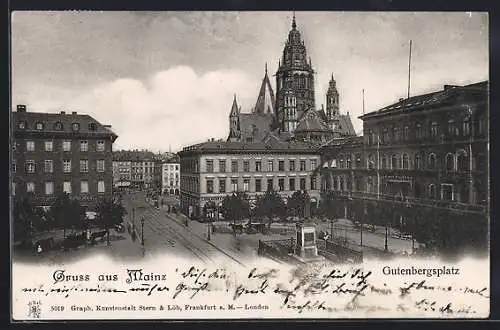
107,126
73,113
63,112
21,108
401,99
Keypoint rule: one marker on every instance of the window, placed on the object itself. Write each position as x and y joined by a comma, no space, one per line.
406,133
30,166
302,165
434,129
84,145
466,126
447,192
48,166
75,126
432,162
395,133
100,187
222,184
462,160
234,184
84,187
258,185
100,165
270,166
92,127
302,184
100,145
313,164
49,188
49,146
418,161
246,166
281,165
222,166
30,145
394,162
292,184
13,189
313,183
270,184
39,126
406,161
419,132
58,126
291,165
452,129
246,184
281,184
385,164
30,187
258,166
66,145
21,125
348,163
449,162
84,165
234,166
481,125
210,166
67,187
385,135
67,166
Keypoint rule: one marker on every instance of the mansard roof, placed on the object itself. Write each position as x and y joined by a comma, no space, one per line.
448,95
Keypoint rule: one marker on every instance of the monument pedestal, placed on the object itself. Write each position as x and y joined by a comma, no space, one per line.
306,242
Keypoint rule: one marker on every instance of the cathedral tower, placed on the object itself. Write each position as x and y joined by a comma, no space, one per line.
295,74
332,100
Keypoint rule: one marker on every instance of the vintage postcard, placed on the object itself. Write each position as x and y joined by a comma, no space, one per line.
249,165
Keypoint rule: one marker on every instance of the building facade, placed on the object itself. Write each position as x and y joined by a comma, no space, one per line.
212,170
423,159
65,152
291,114
171,177
122,172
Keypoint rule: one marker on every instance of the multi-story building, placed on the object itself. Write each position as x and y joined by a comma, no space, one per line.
148,169
61,152
122,172
171,176
214,169
420,158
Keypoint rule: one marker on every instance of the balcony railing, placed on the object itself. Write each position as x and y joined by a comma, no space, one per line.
415,201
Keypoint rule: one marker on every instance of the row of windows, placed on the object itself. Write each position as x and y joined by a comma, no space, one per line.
453,128
58,126
48,187
258,185
66,145
258,166
48,166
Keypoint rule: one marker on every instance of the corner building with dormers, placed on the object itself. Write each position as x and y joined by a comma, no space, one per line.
60,152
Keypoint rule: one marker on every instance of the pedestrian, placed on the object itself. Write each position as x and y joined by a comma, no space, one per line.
39,248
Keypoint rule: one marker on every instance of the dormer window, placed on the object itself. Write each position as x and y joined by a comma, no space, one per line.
75,126
92,127
21,125
58,126
39,126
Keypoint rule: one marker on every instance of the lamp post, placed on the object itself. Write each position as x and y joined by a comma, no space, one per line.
142,231
386,249
471,182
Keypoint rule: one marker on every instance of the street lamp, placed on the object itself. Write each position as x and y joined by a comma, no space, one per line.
386,234
142,231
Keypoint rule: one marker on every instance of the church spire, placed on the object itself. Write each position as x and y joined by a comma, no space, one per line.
294,24
265,100
234,108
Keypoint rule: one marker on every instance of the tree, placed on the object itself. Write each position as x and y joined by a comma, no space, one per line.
24,215
67,213
296,205
235,207
270,205
109,214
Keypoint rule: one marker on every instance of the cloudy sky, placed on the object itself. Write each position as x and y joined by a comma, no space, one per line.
166,79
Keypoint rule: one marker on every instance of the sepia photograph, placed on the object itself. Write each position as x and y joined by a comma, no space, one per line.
247,165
